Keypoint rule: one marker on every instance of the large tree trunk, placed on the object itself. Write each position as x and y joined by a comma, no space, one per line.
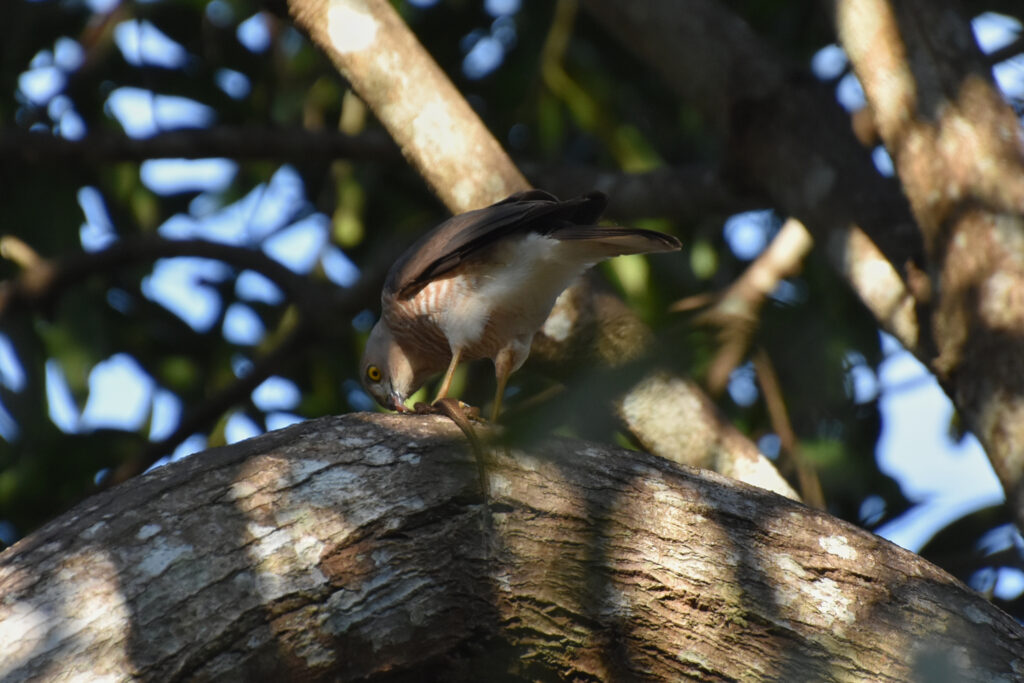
958,150
362,546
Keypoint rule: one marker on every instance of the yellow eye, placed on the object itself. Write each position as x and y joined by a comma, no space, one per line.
373,373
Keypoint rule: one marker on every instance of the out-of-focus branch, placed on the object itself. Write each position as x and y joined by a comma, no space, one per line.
810,484
200,417
736,311
45,279
959,153
230,142
672,418
875,280
682,193
1006,52
436,129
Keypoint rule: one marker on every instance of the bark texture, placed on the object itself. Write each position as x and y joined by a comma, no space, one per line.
959,152
437,131
361,547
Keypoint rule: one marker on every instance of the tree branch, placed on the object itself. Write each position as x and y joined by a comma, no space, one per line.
437,131
736,311
198,418
232,142
45,279
683,193
959,153
361,548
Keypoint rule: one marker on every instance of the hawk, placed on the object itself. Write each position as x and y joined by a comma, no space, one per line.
481,284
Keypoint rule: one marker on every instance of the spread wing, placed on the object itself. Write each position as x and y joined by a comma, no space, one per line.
459,237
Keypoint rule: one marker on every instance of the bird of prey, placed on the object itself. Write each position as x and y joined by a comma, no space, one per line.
481,284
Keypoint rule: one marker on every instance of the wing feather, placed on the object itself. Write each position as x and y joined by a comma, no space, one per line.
533,211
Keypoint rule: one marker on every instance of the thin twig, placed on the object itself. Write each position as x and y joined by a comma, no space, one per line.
737,309
810,485
45,278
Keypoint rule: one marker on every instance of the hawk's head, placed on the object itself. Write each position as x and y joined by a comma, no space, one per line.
386,371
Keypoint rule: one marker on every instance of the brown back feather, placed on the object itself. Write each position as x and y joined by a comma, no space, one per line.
534,211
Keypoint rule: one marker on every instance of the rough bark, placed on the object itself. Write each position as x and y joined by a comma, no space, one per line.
449,145
361,547
958,150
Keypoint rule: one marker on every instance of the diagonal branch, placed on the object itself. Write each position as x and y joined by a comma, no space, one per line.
202,416
463,163
436,129
737,310
958,150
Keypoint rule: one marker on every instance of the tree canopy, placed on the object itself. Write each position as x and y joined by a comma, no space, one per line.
198,210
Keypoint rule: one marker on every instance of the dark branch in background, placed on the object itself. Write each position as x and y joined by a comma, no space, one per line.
683,193
231,142
40,282
322,308
1006,52
216,405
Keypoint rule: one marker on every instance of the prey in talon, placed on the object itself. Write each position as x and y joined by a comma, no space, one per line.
448,406
481,284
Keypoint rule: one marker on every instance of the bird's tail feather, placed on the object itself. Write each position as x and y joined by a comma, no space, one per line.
612,241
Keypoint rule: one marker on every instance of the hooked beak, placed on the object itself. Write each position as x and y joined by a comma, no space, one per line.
396,402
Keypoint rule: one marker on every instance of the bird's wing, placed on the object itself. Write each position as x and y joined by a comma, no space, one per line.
450,243
608,241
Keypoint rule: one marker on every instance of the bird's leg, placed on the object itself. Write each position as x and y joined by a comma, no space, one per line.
447,381
502,382
505,363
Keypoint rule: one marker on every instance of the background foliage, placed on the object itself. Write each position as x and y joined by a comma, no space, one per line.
218,348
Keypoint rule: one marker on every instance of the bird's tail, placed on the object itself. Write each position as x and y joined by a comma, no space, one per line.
606,242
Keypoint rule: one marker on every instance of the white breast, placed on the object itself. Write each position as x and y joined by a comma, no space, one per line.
520,280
